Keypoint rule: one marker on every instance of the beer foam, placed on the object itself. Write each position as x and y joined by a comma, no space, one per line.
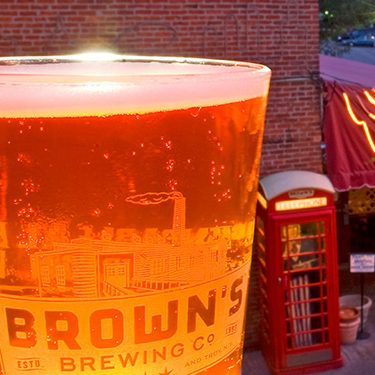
78,86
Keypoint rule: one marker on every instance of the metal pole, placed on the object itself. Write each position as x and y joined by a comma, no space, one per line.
361,334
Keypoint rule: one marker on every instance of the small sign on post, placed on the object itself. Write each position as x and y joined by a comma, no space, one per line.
362,263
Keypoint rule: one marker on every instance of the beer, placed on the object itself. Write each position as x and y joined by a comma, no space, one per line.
127,203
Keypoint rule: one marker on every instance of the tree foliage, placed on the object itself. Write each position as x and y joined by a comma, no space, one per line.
339,16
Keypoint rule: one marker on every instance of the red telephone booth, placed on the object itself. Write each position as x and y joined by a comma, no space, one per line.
296,249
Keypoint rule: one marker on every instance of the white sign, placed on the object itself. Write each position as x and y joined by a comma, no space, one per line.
362,263
301,193
300,204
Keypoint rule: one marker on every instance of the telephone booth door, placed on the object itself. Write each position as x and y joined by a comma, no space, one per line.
296,247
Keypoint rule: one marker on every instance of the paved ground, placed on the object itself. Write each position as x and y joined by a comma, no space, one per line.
359,358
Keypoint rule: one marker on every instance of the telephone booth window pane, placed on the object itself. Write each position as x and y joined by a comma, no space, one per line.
304,253
323,243
302,245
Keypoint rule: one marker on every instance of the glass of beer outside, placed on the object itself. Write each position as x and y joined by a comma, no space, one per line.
127,198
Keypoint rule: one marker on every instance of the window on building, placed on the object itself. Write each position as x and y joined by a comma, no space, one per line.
45,276
60,275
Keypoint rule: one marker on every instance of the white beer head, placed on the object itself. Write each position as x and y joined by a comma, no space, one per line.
107,84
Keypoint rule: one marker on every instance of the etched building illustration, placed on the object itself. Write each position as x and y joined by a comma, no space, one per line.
156,260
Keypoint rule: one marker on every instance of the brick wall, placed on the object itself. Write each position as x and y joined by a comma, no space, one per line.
280,33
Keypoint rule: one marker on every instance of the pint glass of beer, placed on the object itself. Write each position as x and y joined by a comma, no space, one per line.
127,198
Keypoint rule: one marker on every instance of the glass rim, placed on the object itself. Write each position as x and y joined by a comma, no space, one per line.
102,85
113,57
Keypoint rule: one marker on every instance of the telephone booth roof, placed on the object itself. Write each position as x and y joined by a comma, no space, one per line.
279,183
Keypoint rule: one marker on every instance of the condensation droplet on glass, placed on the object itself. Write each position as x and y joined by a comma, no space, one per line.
23,158
96,212
172,184
195,111
25,211
17,201
170,165
29,186
168,145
